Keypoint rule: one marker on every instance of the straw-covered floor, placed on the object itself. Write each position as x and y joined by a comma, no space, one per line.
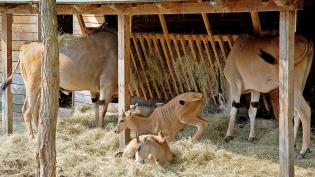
86,151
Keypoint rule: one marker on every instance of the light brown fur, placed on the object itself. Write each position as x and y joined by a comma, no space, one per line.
131,149
169,118
247,72
150,150
89,63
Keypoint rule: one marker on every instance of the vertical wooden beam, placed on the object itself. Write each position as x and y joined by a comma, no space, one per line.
39,28
124,30
46,152
256,22
6,44
286,87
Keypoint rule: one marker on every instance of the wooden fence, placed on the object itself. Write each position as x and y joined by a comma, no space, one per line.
159,63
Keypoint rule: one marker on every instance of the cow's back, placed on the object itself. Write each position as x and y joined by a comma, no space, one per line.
245,63
84,61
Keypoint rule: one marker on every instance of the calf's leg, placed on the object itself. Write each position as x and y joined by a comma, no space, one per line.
201,125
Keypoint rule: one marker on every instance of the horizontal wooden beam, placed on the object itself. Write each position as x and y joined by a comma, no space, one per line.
153,8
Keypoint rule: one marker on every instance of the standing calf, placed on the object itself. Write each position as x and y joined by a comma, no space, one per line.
169,118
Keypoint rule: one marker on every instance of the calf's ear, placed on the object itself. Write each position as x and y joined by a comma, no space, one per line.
182,102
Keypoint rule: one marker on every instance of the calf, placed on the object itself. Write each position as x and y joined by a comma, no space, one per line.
169,118
152,151
131,148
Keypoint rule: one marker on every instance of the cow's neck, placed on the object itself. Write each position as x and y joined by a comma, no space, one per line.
142,124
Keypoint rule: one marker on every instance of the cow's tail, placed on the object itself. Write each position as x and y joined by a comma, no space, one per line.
8,81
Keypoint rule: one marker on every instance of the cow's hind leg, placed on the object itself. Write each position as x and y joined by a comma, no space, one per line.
235,98
201,125
105,98
94,99
36,112
252,114
304,111
28,110
297,121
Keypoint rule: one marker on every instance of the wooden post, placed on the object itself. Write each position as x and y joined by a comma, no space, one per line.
286,87
124,30
46,152
39,28
6,43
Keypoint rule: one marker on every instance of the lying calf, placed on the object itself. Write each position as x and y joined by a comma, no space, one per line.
152,151
169,118
131,148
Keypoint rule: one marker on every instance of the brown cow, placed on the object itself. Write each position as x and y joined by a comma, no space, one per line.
253,67
88,63
169,118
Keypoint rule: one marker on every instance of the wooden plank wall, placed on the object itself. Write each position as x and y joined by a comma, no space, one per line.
90,21
24,29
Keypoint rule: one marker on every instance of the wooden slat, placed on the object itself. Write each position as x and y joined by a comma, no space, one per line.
168,43
221,44
124,30
138,76
198,42
180,61
140,58
157,49
169,65
146,58
256,22
286,87
149,42
192,79
7,115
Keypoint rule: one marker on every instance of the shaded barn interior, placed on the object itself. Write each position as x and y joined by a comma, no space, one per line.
226,24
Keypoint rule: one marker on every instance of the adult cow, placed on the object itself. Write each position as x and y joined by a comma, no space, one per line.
253,67
86,63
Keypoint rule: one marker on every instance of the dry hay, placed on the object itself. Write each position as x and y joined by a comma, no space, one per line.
86,151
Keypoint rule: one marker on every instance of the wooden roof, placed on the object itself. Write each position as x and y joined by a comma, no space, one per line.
85,1
144,7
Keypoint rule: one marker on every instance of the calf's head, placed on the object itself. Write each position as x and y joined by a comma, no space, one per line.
124,119
189,104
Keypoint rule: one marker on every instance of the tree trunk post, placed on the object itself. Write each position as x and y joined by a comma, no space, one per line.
6,44
46,152
286,92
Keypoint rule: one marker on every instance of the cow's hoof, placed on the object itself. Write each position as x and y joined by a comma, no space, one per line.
302,156
251,139
228,138
118,154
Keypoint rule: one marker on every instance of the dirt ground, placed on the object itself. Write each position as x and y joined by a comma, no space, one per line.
83,150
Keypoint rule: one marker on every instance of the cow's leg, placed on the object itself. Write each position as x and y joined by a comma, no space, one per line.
31,103
105,98
304,111
297,122
36,112
235,98
94,99
254,101
201,125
